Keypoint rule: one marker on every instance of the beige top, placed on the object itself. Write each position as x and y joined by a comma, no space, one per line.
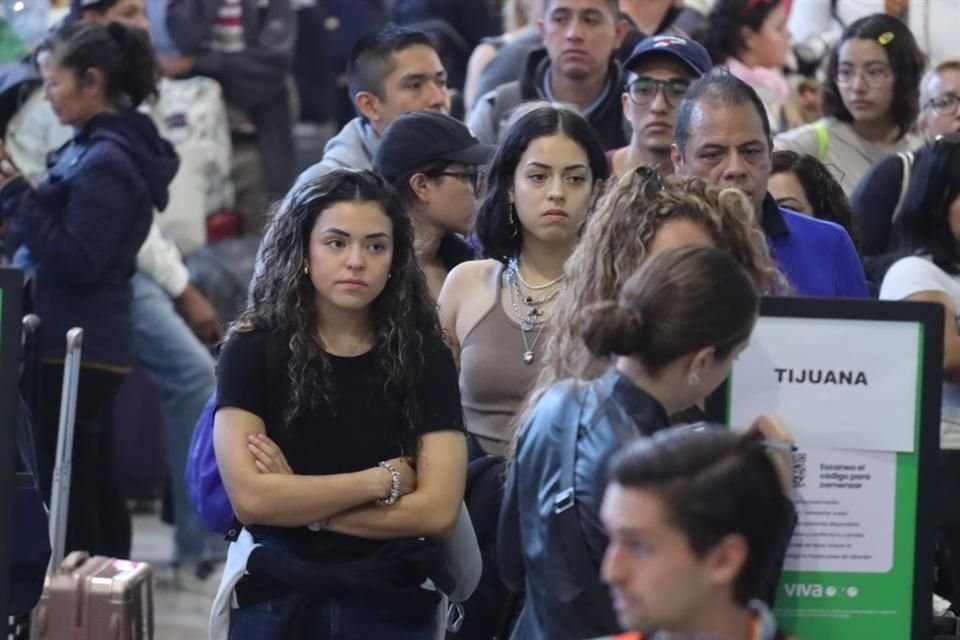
494,380
848,156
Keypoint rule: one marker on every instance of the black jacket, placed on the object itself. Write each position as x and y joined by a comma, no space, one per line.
561,602
84,225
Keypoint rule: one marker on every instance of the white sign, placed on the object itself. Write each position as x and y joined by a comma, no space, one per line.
845,504
831,382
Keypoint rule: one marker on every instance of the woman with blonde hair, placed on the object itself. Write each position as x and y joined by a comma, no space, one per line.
641,215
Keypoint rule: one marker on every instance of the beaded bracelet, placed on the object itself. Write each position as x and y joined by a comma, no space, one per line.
394,485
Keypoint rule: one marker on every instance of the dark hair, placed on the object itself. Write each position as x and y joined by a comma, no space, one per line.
722,88
713,483
402,182
283,300
906,61
493,223
934,185
825,194
676,303
723,40
124,56
613,5
371,59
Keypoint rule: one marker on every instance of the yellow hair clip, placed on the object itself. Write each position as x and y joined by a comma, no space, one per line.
885,38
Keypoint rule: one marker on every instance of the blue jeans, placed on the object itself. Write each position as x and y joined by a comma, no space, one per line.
344,618
183,370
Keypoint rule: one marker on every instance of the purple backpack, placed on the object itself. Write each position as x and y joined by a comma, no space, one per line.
204,485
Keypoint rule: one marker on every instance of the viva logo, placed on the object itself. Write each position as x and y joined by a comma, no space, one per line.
801,590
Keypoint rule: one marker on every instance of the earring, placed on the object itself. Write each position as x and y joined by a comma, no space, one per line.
694,379
306,270
513,221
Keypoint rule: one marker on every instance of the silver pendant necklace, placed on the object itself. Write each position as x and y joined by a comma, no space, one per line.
534,317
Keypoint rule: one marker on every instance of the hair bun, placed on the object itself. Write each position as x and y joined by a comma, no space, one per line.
609,329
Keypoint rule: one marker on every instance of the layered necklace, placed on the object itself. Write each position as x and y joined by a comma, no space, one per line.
529,303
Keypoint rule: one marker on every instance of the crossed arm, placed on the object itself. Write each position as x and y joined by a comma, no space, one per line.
263,489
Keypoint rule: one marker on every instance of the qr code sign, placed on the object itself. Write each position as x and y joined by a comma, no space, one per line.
799,469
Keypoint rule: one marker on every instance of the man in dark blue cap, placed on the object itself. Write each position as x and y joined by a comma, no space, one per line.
657,75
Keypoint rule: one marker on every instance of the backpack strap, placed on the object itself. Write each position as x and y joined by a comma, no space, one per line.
823,139
906,158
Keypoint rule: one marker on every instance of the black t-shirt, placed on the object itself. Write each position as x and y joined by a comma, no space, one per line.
365,427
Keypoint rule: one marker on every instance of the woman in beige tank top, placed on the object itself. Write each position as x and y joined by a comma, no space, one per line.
542,181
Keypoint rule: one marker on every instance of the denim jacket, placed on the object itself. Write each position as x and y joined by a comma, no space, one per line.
560,601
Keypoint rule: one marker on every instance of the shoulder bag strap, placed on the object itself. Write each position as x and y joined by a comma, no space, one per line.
906,158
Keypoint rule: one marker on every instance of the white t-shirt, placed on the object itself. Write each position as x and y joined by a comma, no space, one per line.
912,275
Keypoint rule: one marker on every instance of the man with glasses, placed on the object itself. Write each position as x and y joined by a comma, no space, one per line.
878,198
659,72
434,163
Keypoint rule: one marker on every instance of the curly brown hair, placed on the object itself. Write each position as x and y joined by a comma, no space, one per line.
615,242
283,299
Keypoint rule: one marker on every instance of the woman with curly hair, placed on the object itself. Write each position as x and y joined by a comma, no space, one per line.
337,374
641,215
802,183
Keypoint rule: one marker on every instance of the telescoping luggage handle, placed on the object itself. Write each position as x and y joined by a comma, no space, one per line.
60,493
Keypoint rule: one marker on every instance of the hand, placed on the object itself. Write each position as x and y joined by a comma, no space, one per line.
8,170
199,314
267,456
176,66
408,477
768,427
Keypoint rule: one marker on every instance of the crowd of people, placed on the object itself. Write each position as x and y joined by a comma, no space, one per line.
451,403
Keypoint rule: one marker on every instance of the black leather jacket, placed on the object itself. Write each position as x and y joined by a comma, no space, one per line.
561,602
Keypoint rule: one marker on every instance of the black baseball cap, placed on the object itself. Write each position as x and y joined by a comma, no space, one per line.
683,49
415,140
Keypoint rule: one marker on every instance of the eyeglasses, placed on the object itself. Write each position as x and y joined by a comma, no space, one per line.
874,77
945,105
643,90
470,177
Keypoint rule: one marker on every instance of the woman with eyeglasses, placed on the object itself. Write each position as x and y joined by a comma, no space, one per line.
659,71
870,100
750,38
433,161
931,273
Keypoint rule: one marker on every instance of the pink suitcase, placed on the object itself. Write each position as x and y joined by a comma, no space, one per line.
86,598
95,598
